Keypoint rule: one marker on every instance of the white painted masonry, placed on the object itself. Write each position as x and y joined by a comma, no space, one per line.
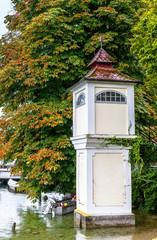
80,116
105,175
103,118
103,171
91,146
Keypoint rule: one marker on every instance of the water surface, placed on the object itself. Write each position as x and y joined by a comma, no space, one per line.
32,224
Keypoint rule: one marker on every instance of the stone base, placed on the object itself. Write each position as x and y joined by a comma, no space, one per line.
87,221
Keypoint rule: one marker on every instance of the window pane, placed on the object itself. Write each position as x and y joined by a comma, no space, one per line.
80,100
122,99
111,96
103,98
98,98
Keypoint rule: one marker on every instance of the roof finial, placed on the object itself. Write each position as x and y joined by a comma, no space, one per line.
101,40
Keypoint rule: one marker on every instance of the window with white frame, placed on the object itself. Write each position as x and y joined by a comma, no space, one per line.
80,100
110,96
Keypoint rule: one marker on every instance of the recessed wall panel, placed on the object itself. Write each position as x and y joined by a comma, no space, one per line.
111,118
108,179
81,178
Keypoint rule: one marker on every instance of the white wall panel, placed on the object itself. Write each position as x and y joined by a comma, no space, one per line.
108,179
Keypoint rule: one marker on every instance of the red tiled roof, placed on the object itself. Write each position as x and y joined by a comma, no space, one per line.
107,74
102,70
102,57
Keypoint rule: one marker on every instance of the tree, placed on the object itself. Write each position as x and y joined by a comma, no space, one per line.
46,51
144,42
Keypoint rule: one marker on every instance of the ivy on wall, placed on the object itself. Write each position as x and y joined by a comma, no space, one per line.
133,144
143,158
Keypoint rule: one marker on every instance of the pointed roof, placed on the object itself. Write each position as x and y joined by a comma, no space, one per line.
102,57
108,74
102,71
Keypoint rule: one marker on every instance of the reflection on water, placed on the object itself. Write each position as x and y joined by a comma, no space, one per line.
33,225
107,234
10,206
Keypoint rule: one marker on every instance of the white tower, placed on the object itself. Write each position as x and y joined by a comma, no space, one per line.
103,107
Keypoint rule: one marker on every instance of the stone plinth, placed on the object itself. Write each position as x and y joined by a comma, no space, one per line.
87,221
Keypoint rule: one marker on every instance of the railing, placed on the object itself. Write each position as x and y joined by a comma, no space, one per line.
5,174
148,132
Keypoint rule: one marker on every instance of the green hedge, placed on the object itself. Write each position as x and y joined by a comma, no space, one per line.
144,180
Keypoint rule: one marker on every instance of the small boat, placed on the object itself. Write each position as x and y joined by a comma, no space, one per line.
61,207
13,185
66,207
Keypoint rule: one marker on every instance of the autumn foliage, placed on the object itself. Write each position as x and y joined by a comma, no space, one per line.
46,50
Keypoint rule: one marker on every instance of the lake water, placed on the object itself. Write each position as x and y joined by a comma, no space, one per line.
31,224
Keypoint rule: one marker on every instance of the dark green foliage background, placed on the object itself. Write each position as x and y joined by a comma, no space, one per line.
144,181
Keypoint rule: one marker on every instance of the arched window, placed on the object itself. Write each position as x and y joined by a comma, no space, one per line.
80,100
110,96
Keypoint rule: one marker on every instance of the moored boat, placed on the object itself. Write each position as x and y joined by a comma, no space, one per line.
13,185
61,210
61,207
